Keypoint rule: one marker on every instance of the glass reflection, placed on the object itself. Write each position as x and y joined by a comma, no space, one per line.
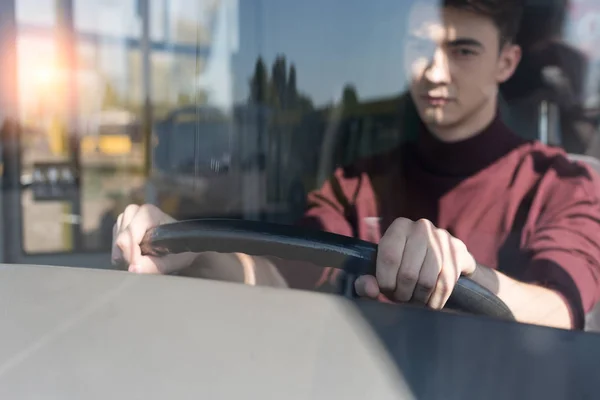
247,109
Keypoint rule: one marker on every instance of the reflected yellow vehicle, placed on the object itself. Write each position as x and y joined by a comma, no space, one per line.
111,133
107,144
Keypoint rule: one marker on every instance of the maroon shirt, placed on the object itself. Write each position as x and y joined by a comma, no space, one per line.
520,207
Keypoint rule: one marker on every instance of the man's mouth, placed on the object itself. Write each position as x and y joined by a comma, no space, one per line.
436,100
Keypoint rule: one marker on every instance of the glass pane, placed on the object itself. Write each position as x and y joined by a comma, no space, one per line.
247,109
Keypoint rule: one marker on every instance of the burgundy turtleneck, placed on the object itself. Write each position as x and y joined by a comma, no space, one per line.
520,207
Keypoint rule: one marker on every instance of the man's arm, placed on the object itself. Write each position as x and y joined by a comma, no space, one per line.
562,280
418,262
529,303
564,247
325,212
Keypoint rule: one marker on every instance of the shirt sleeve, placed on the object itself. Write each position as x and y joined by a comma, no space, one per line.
565,243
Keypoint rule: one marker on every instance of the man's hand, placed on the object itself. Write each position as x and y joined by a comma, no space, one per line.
417,262
128,232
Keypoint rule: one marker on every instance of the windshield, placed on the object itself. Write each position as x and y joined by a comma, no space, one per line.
341,116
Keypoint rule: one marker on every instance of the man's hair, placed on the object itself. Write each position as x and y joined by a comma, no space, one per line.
505,14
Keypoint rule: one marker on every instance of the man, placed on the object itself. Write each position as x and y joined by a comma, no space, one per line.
467,198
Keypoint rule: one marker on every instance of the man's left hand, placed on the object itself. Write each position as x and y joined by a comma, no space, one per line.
417,262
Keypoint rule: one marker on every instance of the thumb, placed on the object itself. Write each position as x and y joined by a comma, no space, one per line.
366,286
162,265
147,265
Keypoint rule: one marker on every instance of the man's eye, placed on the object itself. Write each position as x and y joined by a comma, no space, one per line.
464,52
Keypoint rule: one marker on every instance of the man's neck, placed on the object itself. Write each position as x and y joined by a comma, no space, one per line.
467,128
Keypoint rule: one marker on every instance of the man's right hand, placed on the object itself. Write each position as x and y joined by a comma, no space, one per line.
128,232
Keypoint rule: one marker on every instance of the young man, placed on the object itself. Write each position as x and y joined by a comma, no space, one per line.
467,192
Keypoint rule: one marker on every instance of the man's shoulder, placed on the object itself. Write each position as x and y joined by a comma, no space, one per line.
550,159
556,171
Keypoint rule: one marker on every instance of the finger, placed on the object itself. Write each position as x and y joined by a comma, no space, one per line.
130,250
147,265
366,286
116,254
428,277
128,215
443,289
449,275
432,267
162,265
117,227
412,260
389,254
463,259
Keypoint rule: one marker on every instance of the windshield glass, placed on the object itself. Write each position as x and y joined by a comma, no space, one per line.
477,118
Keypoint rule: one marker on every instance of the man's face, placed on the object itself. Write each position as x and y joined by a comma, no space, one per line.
455,64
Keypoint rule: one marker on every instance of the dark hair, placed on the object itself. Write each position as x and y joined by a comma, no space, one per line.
505,14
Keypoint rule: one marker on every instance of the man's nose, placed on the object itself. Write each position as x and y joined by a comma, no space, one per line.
438,71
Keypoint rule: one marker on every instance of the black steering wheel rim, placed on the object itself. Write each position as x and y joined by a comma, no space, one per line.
354,256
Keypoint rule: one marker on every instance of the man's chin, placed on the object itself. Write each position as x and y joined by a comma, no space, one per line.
435,116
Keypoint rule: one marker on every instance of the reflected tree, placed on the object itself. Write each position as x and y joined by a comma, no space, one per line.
279,82
279,90
350,96
292,89
259,83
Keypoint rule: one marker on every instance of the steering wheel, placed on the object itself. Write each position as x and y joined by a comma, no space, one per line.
353,256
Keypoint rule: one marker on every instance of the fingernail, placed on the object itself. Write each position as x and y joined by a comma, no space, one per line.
133,268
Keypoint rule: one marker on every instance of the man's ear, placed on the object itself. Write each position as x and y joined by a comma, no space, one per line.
509,59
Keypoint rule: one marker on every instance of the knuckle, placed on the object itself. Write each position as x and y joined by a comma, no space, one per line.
147,206
423,222
148,209
131,208
426,286
422,227
153,214
443,232
408,276
458,244
400,225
